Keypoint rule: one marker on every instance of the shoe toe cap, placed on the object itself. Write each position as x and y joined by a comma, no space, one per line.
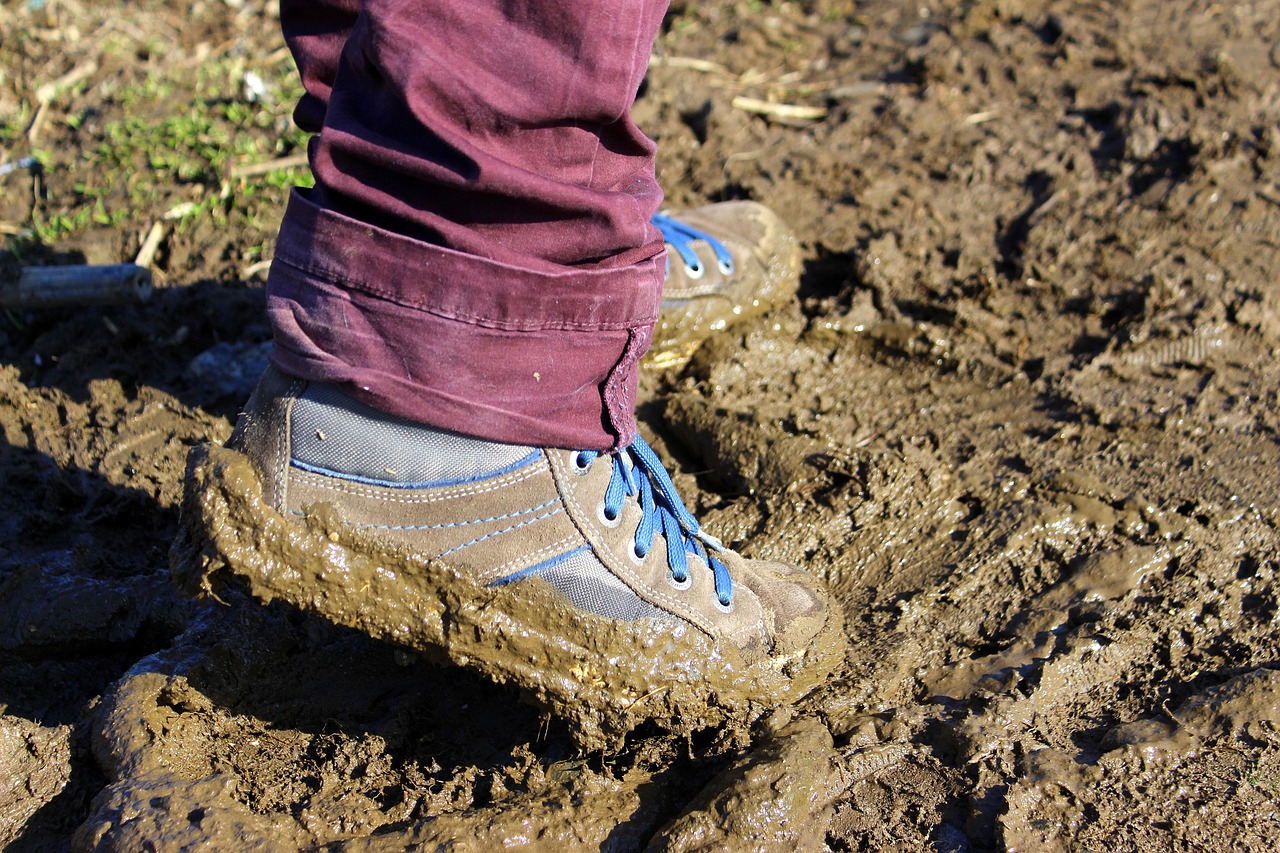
794,600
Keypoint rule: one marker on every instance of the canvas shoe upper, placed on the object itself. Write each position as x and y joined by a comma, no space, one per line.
607,532
726,262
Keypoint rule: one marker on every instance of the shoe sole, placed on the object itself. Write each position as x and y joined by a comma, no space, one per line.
604,677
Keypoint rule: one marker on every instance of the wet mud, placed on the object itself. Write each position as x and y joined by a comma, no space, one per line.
1021,419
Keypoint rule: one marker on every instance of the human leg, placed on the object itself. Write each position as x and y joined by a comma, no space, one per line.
480,189
411,420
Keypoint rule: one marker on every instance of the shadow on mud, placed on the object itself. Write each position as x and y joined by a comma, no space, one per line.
309,720
191,340
88,451
264,725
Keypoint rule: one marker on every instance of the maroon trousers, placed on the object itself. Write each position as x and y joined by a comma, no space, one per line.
476,253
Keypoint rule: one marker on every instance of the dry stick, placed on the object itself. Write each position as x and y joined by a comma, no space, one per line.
704,65
147,254
37,121
50,90
46,93
255,268
858,90
784,113
748,78
293,161
981,117
791,112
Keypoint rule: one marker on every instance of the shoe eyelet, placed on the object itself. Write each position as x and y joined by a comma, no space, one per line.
694,272
680,585
577,465
636,557
726,608
727,267
603,516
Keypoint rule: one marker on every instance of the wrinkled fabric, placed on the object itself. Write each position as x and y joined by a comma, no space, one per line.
476,253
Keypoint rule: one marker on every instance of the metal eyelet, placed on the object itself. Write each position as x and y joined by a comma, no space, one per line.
577,465
694,272
726,608
680,585
636,558
603,517
727,267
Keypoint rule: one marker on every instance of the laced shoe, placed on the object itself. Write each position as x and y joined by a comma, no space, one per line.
579,576
726,262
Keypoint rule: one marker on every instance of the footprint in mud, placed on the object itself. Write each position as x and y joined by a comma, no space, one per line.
262,728
778,797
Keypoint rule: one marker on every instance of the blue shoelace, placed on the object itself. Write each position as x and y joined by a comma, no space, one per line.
662,509
681,237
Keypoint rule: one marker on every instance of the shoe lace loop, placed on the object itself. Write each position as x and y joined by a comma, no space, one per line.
637,472
681,237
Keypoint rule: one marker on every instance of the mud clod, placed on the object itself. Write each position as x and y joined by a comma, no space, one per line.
776,798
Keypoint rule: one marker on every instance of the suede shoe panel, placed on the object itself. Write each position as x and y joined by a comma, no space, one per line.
491,528
262,432
583,492
792,598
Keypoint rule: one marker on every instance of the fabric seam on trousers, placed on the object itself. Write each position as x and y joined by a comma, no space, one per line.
336,278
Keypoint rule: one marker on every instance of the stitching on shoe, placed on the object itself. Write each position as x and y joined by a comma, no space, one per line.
389,495
284,442
532,559
504,530
691,293
451,524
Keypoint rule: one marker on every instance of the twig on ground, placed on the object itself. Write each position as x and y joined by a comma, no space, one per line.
255,268
46,94
50,90
252,170
981,117
704,65
150,245
37,122
785,112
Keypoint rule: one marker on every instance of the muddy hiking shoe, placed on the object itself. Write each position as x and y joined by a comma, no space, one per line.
726,262
578,576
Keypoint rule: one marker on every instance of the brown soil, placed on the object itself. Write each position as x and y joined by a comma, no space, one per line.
1023,419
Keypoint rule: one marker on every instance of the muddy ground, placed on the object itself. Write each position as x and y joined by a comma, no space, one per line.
1023,418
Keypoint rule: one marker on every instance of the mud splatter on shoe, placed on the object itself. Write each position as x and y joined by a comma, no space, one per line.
726,262
578,576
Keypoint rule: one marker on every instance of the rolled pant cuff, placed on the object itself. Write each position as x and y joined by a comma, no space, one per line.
461,342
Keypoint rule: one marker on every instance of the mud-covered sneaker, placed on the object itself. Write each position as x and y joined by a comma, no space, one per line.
579,576
725,262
